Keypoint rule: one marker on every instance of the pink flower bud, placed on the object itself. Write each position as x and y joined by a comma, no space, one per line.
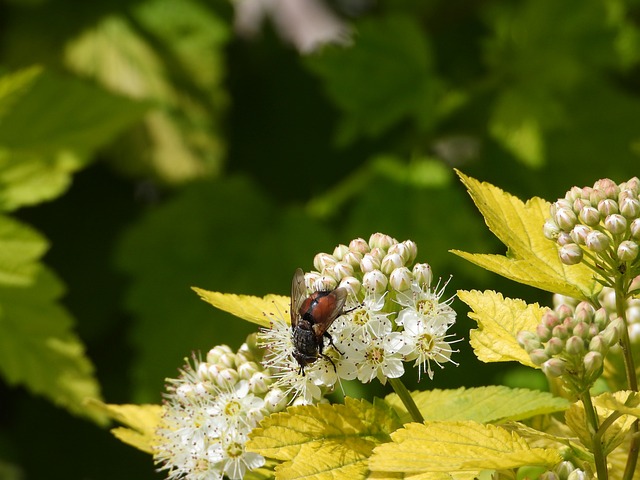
551,230
597,241
550,319
382,241
390,262
538,356
359,245
570,254
579,234
422,274
369,263
581,330
543,332
630,207
566,219
554,346
597,344
615,224
340,251
575,346
627,251
635,229
323,260
554,367
593,362
563,311
352,258
608,207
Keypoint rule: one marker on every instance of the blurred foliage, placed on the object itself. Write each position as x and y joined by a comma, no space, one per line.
145,149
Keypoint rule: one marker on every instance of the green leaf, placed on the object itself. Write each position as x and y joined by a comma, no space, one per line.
141,422
252,309
457,446
38,348
40,148
531,259
626,402
499,322
482,404
171,55
324,441
392,58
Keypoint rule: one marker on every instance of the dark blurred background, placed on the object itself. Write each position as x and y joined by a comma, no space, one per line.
150,146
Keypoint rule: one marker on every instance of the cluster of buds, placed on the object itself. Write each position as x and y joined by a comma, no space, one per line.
395,315
209,411
600,224
571,342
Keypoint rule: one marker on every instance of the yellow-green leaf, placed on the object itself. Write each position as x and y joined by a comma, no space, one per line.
457,446
324,441
626,402
615,434
531,258
141,422
499,321
483,404
253,309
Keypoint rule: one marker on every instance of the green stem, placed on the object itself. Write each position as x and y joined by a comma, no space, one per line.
632,379
592,422
407,399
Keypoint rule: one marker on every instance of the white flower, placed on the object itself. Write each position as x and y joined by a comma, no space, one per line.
231,457
426,342
424,302
204,427
380,355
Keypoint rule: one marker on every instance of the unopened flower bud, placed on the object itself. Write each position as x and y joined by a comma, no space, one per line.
227,378
325,283
275,400
560,332
566,219
543,332
323,260
554,346
563,469
422,274
548,476
573,194
375,281
340,251
627,251
353,259
538,356
563,311
400,279
615,224
590,216
579,234
593,362
247,369
390,262
551,230
528,340
564,238
584,312
630,207
578,474
634,228
581,330
382,241
597,344
259,383
612,334
574,345
601,318
570,254
359,245
554,367
412,251
550,319
341,270
580,204
608,207
596,196
597,241
213,356
351,285
369,263
401,250
608,186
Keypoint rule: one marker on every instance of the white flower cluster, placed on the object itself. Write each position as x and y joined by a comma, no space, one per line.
208,413
394,315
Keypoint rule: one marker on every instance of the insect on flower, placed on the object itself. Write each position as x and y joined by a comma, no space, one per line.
311,316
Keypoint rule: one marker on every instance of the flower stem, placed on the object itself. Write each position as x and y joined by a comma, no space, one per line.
592,421
407,399
632,379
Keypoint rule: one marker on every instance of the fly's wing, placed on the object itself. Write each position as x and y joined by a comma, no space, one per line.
339,297
298,294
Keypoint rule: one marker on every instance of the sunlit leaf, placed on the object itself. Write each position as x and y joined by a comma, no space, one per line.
499,322
531,259
482,404
626,402
38,348
457,446
253,309
140,421
40,148
324,441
